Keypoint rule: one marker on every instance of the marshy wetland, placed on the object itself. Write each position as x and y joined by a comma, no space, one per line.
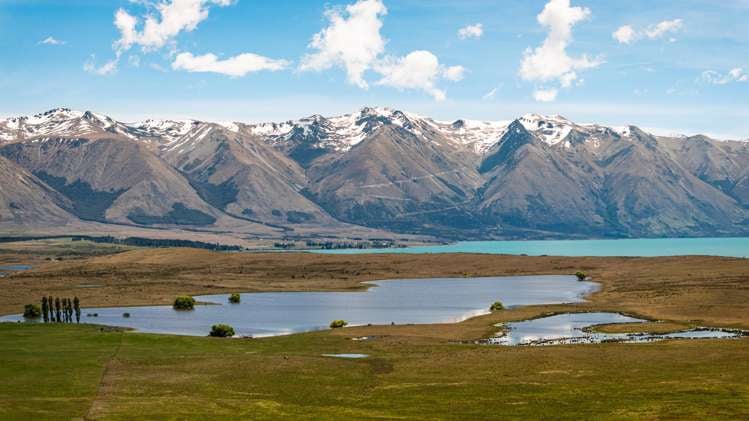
412,371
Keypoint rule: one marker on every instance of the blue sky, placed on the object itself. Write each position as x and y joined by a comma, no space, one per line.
679,66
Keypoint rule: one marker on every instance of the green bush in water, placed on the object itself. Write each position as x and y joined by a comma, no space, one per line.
338,323
32,311
184,302
581,276
234,298
497,306
222,331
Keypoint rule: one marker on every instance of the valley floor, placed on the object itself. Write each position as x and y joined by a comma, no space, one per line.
413,372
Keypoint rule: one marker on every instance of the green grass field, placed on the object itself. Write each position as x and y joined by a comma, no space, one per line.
68,371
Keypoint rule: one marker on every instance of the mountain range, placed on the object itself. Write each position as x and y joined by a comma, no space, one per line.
377,172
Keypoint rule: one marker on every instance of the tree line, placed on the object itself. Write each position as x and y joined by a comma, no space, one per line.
55,310
153,242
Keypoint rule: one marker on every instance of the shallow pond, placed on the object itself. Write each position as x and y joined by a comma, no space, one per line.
573,328
347,356
440,300
15,267
4,269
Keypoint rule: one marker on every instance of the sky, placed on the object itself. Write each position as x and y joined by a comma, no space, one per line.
668,66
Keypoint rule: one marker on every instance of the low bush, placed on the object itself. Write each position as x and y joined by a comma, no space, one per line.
184,302
32,311
335,324
496,306
234,298
222,331
581,276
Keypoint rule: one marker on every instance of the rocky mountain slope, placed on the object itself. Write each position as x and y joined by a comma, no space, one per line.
533,177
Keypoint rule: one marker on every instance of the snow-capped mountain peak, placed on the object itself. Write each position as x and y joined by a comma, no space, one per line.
60,122
550,129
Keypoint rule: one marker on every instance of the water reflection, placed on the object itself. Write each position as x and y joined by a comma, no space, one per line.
441,300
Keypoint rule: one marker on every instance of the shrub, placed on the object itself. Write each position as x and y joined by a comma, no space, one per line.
184,302
497,306
234,298
126,315
338,323
222,331
32,311
581,276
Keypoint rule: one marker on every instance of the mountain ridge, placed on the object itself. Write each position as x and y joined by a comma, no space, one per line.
535,176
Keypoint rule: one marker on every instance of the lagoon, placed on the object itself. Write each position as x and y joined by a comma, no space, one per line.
641,247
574,328
440,300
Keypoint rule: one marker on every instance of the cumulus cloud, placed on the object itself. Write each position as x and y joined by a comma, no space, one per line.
174,16
627,34
545,95
52,41
161,26
236,66
716,78
352,40
471,31
550,61
418,70
105,69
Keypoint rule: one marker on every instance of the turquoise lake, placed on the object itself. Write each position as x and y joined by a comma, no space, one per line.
730,247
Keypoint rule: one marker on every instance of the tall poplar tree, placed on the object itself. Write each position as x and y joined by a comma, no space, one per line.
45,310
77,308
58,310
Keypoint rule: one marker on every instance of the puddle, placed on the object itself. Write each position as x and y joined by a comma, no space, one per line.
572,328
350,356
15,267
5,269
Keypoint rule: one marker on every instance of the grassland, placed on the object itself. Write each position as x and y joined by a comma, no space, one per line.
413,372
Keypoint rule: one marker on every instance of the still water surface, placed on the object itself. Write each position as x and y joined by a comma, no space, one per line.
648,247
573,328
440,300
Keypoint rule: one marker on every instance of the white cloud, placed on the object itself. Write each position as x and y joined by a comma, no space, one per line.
454,73
352,40
471,31
734,75
662,28
161,26
418,70
105,69
545,95
550,60
236,66
625,34
52,41
175,16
